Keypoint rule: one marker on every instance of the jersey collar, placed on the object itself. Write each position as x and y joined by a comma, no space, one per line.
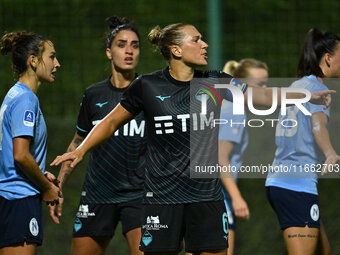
173,80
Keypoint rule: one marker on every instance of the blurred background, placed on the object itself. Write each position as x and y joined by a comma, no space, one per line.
271,31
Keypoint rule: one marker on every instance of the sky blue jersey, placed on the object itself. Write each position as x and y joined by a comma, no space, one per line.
20,115
297,151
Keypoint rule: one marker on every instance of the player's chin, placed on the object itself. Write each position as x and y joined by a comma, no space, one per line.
201,63
129,67
50,79
126,67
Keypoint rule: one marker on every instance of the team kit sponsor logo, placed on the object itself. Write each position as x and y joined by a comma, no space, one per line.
162,98
83,212
100,105
129,129
154,223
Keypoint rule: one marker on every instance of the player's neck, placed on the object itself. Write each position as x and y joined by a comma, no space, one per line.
180,71
122,79
30,80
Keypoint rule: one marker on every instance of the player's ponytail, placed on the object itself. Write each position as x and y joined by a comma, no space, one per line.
154,36
164,38
230,67
316,45
9,40
21,45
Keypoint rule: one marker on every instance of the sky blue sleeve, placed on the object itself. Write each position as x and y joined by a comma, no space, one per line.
23,115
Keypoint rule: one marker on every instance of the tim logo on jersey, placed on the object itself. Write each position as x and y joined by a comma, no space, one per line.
129,129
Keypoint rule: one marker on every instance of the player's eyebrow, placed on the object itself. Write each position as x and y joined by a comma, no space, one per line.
197,37
124,41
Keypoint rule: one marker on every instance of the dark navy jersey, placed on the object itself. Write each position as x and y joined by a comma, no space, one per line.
116,168
169,124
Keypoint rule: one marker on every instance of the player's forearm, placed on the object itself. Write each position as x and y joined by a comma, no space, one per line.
66,170
261,96
264,96
32,171
100,133
228,178
322,139
232,188
224,150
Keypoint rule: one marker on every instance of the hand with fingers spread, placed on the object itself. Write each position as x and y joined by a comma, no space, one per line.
56,209
74,157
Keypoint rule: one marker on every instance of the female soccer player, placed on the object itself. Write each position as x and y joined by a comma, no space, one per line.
174,203
293,195
23,146
233,140
113,186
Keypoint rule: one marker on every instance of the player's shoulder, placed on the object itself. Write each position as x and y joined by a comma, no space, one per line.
98,88
22,96
150,76
98,85
311,83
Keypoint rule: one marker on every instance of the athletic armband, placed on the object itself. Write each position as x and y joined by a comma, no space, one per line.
235,83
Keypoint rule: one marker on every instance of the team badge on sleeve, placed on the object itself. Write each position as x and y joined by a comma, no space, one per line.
29,118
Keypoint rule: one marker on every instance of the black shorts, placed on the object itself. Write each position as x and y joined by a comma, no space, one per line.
102,219
204,227
294,209
21,221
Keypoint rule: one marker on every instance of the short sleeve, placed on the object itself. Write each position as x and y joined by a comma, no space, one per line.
84,122
132,98
231,126
24,115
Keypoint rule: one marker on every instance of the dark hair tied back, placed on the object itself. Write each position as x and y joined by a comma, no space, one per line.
116,25
316,45
21,45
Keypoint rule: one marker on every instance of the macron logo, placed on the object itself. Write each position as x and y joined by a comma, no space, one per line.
163,98
101,104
